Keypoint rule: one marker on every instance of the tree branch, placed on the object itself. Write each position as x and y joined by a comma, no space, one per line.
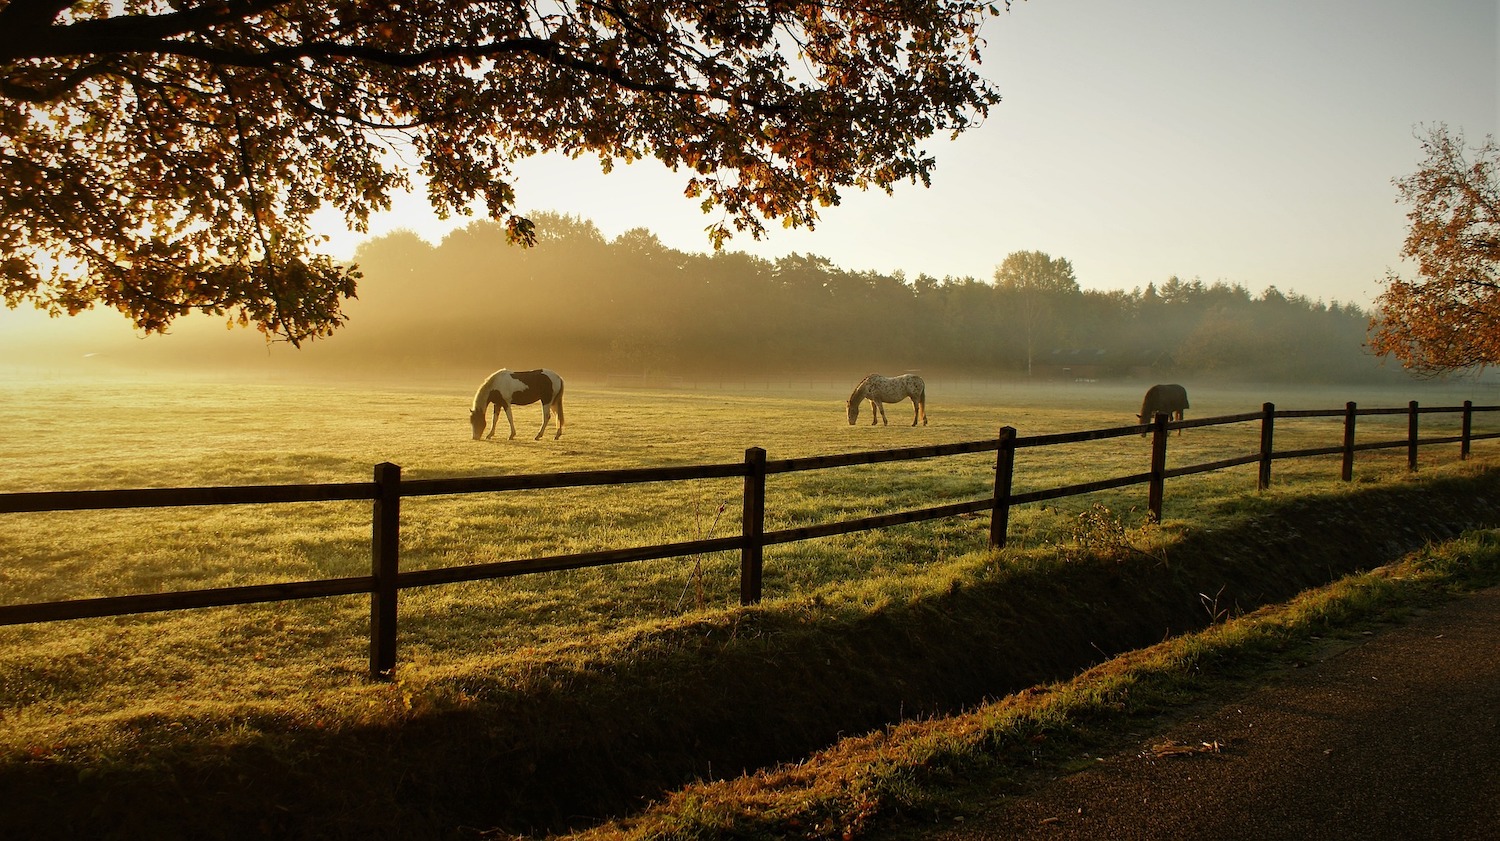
34,34
23,15
158,35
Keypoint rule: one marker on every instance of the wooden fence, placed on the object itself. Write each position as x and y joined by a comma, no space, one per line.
386,579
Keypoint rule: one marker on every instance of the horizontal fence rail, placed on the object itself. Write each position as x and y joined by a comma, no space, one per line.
37,501
385,493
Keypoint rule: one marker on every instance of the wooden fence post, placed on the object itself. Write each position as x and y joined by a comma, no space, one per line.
385,561
753,527
1347,471
1468,430
1158,484
1411,435
1005,468
1267,437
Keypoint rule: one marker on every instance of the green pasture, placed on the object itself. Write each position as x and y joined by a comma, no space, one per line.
62,681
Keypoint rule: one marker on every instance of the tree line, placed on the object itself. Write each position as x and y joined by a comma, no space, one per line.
631,305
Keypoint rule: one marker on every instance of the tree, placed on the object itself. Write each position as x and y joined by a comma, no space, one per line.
1034,279
1448,316
165,156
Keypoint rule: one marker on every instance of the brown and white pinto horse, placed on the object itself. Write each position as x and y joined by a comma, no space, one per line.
878,390
506,388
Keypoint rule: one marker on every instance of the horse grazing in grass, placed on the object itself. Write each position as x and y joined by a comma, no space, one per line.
1167,398
878,390
506,388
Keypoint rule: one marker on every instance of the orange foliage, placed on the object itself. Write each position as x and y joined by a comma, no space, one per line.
1448,316
161,157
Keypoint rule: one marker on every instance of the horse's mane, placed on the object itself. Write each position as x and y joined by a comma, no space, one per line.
860,388
481,397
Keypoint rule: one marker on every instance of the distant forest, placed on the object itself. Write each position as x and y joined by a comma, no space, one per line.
581,303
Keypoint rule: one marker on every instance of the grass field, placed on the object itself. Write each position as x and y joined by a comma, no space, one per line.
94,685
71,434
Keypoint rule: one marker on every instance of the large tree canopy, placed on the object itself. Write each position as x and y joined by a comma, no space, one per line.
1038,271
1033,281
165,156
1448,316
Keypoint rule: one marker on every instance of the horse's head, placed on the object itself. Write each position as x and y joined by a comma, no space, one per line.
852,407
476,420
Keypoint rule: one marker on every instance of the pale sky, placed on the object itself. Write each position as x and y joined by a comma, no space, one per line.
1249,142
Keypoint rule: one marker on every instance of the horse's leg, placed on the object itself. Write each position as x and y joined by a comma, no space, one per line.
546,417
559,418
916,410
509,418
494,421
883,419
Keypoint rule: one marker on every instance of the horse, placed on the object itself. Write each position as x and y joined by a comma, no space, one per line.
505,388
1168,398
878,390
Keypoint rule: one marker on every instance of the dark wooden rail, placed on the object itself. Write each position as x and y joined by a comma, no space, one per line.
386,579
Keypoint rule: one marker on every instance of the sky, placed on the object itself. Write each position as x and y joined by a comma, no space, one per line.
1250,143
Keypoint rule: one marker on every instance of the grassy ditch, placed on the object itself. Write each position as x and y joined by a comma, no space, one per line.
539,739
892,782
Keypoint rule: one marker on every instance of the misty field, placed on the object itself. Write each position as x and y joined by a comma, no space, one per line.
102,432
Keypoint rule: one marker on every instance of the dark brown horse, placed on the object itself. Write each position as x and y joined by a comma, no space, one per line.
1167,398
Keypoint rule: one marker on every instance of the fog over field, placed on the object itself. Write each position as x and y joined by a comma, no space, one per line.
633,310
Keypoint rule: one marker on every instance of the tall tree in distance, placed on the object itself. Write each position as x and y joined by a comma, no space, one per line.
1033,281
166,156
1447,317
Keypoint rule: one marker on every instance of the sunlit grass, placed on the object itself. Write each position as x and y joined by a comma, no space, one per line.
93,435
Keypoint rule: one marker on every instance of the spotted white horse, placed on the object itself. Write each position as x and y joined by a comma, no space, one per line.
506,388
879,390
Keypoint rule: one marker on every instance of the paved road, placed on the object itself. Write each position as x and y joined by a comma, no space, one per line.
1397,737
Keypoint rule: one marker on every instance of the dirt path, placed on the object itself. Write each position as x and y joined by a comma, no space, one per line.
1396,737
